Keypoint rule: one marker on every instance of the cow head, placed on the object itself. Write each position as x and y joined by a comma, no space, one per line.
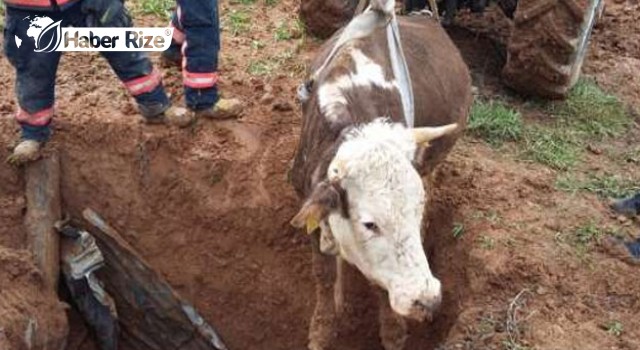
370,210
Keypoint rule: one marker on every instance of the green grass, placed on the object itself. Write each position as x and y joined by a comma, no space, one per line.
270,2
491,216
495,123
158,8
587,115
458,230
238,22
486,242
261,67
609,186
283,32
591,112
257,45
284,61
2,15
287,31
511,345
614,328
628,155
242,2
556,149
587,233
582,238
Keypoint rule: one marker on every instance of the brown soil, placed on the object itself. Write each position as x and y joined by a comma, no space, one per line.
614,58
30,317
209,207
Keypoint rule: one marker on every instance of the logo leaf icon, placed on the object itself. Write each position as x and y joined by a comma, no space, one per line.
54,41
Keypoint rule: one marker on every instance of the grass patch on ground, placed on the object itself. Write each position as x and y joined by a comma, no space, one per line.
242,2
581,239
629,155
494,122
283,32
238,21
554,148
2,15
159,8
486,242
614,328
261,67
587,233
288,30
591,111
608,186
284,61
458,230
587,115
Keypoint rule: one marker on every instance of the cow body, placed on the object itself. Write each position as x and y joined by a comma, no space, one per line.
361,175
441,86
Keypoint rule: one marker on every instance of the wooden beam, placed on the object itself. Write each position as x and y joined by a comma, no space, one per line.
151,313
42,179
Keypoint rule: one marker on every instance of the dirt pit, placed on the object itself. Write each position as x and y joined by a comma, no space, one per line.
209,208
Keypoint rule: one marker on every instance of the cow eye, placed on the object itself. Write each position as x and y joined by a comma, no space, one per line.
371,226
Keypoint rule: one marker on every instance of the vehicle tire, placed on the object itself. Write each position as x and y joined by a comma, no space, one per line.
548,45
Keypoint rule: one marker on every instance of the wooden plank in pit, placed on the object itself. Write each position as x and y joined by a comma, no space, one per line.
151,314
42,179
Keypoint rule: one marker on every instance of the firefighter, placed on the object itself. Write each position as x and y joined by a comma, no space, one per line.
195,46
36,71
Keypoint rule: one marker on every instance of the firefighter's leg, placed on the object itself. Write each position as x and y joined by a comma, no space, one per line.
35,85
141,79
200,22
173,55
144,83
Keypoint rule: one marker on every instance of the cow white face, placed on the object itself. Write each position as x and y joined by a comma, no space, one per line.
371,211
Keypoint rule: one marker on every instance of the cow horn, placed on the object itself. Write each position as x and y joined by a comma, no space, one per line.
429,133
337,170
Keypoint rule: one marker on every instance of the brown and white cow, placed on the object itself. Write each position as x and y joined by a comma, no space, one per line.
359,166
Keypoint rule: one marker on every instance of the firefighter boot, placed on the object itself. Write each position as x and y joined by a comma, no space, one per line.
26,151
223,109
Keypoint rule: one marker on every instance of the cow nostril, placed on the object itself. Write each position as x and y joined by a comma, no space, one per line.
427,306
419,305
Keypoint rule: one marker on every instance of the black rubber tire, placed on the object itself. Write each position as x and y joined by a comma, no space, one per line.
548,45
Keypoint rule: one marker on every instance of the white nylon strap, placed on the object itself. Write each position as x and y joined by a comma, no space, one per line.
401,71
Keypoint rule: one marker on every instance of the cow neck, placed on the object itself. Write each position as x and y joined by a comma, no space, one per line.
319,173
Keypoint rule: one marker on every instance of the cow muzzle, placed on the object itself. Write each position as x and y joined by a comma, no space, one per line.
418,302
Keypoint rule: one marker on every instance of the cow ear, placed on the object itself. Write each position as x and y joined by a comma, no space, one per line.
427,134
309,216
317,207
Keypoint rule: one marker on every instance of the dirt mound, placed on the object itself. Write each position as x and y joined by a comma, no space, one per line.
30,318
324,17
